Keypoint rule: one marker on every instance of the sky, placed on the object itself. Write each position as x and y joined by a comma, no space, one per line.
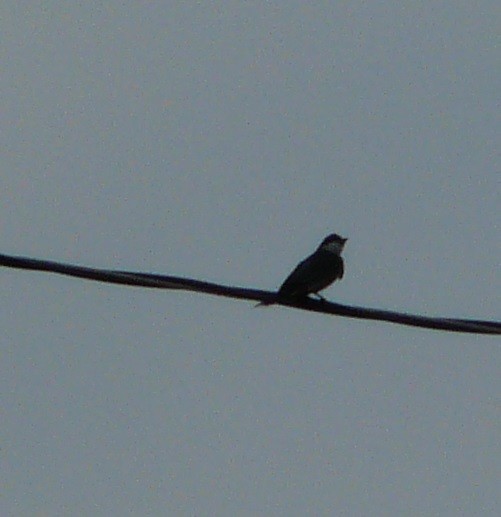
223,141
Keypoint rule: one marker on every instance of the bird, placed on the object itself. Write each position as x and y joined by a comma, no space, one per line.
315,272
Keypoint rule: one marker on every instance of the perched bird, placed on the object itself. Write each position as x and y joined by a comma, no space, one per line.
316,272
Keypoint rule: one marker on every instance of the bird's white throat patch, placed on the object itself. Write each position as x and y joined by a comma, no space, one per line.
333,247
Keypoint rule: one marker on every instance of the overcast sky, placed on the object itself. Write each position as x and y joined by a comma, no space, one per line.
222,141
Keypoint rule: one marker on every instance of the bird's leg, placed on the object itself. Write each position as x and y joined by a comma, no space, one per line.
320,297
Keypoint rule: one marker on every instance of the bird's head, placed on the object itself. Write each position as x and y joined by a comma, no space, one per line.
333,243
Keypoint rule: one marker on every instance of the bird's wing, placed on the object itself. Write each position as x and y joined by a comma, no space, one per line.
296,281
312,274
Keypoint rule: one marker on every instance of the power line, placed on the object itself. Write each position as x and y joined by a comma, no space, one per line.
154,281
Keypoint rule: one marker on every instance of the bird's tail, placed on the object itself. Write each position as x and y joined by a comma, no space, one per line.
263,304
270,300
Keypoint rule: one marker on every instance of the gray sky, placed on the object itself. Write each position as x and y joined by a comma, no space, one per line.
223,141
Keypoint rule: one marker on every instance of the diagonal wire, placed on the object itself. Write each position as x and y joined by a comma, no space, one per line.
265,297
